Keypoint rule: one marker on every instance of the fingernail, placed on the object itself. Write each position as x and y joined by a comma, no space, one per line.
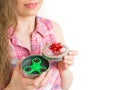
65,57
65,61
70,53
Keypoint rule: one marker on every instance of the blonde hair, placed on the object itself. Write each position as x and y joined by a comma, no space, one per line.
8,17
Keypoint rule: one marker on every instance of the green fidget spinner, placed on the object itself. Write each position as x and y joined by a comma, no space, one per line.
34,65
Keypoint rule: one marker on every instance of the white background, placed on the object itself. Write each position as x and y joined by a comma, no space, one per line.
93,28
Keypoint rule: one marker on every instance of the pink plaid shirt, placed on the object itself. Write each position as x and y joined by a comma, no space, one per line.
42,34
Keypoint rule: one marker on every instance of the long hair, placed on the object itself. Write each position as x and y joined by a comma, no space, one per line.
8,17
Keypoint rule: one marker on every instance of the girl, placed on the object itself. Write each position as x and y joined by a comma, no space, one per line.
22,33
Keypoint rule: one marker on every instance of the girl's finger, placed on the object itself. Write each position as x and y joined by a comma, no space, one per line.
68,62
69,57
67,66
46,77
28,82
38,80
72,52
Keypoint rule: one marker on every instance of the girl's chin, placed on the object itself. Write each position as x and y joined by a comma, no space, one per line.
28,14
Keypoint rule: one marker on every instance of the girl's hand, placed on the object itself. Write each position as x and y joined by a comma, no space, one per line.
67,61
19,82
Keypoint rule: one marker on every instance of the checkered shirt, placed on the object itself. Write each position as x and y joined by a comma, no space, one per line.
42,35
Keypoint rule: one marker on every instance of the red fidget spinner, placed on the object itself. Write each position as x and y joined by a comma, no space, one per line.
55,47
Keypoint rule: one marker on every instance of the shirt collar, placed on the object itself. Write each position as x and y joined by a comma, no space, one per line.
39,27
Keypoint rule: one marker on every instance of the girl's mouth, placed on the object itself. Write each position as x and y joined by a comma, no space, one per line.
31,5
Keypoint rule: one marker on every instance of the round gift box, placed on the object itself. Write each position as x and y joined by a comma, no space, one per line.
32,66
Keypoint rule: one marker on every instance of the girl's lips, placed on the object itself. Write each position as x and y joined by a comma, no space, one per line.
31,5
